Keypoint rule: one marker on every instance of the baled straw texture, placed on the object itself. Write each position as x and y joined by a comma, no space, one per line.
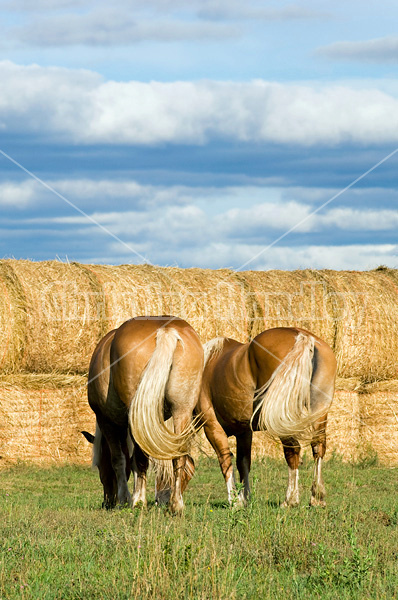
292,299
379,420
366,317
61,322
41,423
53,314
13,318
215,303
343,426
128,291
41,417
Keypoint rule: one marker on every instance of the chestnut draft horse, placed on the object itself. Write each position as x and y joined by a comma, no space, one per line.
281,382
141,374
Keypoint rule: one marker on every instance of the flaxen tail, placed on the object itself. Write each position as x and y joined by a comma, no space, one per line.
284,408
146,416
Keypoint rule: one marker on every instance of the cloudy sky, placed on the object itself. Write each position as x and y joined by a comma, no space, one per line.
210,133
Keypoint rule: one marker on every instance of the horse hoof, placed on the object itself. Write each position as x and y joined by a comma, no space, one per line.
237,504
316,502
176,513
139,504
176,508
286,504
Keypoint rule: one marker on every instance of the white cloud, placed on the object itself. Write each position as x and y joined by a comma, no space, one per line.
17,195
173,225
79,107
347,219
378,50
266,216
93,192
184,213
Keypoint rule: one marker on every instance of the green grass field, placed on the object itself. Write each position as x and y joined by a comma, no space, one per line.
56,542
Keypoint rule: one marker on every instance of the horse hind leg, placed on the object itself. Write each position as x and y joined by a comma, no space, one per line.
165,477
140,464
243,463
318,445
291,449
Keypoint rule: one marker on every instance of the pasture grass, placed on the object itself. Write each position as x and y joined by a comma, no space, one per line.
56,542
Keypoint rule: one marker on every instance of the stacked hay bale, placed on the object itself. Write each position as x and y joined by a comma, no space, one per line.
53,314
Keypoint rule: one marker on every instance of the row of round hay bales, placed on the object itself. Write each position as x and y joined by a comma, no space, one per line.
52,314
42,416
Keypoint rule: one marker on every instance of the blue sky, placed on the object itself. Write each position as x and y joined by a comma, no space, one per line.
250,135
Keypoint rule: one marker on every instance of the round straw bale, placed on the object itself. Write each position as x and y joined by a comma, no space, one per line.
41,423
52,314
215,303
350,384
367,324
390,273
292,299
253,307
128,291
12,318
343,425
62,326
379,420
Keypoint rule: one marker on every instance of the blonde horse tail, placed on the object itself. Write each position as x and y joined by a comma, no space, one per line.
146,416
284,402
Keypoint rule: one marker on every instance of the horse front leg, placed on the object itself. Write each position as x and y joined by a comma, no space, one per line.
140,464
116,438
291,449
107,476
243,463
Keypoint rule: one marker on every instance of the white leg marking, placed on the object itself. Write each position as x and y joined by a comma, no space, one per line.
139,495
244,494
318,488
231,488
317,471
292,492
